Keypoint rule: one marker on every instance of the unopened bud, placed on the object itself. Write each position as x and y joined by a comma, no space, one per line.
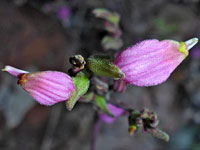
159,134
103,66
77,61
132,129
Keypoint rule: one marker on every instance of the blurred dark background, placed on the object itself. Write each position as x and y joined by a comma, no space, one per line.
43,34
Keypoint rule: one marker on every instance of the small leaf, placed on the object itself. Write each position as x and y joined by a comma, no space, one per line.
107,15
81,83
103,66
109,42
159,134
114,30
90,96
101,103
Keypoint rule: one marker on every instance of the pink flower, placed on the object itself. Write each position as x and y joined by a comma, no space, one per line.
151,62
116,111
46,87
63,13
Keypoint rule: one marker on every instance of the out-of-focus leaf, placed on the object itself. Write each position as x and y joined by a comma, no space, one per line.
163,27
112,29
103,66
101,103
109,42
81,83
107,15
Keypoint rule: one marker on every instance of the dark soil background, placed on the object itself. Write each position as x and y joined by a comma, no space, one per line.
32,37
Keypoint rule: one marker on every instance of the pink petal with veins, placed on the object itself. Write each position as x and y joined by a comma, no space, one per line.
150,62
46,87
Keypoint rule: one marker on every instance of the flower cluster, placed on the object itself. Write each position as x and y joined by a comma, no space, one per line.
147,63
148,121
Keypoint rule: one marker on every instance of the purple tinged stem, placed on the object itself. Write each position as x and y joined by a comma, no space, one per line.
95,131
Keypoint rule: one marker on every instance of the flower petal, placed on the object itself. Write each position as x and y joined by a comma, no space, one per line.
191,43
151,62
47,87
14,71
116,111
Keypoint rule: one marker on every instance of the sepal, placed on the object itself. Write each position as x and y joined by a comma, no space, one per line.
81,84
101,103
103,66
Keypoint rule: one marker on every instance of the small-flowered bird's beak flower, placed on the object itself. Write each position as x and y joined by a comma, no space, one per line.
116,111
46,87
151,62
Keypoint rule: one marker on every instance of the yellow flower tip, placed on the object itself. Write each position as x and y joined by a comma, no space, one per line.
187,45
3,69
183,49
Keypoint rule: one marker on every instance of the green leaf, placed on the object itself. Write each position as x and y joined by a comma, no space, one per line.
101,103
107,15
81,83
87,97
103,66
109,42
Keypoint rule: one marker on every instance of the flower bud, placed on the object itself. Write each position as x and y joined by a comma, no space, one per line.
46,87
151,62
103,66
132,129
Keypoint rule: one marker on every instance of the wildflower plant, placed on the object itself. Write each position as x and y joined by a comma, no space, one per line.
147,63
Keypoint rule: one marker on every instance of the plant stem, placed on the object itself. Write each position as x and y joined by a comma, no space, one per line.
95,131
